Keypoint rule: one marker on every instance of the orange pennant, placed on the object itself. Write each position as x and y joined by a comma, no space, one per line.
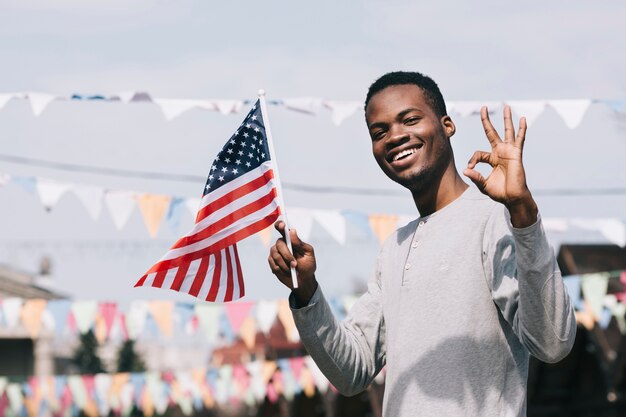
383,225
31,313
153,208
163,311
285,317
247,331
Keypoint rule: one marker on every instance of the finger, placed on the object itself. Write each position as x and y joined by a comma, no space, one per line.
490,131
279,259
282,277
509,130
477,178
285,253
479,156
299,246
280,226
521,133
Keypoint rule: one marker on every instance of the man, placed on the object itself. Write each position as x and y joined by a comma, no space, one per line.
462,295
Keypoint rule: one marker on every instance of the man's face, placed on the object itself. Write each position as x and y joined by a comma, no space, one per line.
409,141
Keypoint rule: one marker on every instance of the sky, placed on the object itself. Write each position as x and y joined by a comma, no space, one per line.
479,51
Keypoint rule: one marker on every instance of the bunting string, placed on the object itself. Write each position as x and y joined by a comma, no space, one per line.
571,111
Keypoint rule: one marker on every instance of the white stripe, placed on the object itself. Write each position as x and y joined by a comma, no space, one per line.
149,280
233,260
237,226
191,275
232,206
236,183
206,285
221,293
169,278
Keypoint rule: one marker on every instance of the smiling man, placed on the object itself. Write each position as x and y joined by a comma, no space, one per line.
462,295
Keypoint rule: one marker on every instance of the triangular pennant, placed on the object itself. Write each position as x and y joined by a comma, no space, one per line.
309,105
615,105
286,318
32,312
153,207
302,221
209,319
15,397
51,191
228,106
553,224
172,108
175,213
28,184
320,380
571,111
573,284
136,318
102,387
162,312
5,98
120,205
247,331
91,197
594,289
341,110
39,102
11,308
530,109
383,225
85,314
333,222
614,230
267,370
265,314
108,312
193,204
237,313
59,309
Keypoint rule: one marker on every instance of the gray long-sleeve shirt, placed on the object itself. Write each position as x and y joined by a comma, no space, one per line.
458,301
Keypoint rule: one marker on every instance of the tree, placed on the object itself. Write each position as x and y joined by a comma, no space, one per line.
86,355
128,360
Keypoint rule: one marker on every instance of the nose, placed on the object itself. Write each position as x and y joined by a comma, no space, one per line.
397,136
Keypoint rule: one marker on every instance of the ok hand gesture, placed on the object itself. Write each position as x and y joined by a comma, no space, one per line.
507,181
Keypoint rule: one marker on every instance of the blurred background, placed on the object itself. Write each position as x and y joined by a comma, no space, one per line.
112,112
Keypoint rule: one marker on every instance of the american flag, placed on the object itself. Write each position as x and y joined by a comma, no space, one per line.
239,199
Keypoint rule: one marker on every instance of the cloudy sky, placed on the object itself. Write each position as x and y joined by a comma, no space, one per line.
479,51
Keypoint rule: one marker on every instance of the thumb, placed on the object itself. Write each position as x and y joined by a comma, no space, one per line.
477,178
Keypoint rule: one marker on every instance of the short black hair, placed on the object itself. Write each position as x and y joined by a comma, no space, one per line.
428,85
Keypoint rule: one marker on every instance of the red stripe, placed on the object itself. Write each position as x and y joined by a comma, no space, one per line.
141,281
200,276
234,195
215,281
158,279
180,277
219,245
242,290
229,277
227,220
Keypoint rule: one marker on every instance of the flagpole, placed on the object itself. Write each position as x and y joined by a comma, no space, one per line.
279,189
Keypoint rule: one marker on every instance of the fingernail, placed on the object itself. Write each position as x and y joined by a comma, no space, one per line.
294,264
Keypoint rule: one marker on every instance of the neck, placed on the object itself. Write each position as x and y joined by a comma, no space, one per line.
440,193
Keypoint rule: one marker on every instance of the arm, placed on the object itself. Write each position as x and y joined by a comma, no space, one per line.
527,284
350,354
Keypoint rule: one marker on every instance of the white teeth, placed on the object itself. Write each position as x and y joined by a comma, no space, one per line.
404,153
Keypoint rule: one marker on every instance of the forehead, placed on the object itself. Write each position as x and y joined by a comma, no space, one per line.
394,99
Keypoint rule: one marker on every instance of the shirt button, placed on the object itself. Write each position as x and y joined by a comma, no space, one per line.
407,266
414,245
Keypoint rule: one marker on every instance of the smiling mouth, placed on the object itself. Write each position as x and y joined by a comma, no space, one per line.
405,153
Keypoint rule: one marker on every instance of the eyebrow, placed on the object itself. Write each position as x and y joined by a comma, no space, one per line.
398,116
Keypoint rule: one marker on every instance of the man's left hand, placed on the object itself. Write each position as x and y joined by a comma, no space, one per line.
507,181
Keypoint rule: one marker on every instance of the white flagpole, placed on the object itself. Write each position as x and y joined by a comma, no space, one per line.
279,189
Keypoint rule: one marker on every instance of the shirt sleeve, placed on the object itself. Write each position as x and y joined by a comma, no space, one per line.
527,286
350,353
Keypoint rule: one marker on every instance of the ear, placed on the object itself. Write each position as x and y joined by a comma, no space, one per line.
448,126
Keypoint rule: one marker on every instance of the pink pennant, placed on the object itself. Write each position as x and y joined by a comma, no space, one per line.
296,366
4,404
622,295
237,313
71,322
90,385
66,400
123,326
272,395
240,374
108,311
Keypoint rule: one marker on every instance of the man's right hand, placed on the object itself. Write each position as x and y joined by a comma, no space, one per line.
303,259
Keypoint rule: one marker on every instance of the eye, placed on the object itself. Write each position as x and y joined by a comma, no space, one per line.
378,134
411,120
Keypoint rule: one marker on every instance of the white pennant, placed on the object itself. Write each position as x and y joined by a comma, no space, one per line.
341,110
120,204
51,191
11,308
84,314
39,102
91,197
173,108
310,105
614,230
15,397
302,221
333,222
228,106
5,98
102,386
136,318
571,111
320,380
530,109
193,204
265,314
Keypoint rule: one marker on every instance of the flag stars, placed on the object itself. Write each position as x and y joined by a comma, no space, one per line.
224,170
230,150
256,129
232,141
240,153
221,178
213,168
262,154
227,160
207,187
254,117
238,161
248,164
248,125
253,146
211,177
235,171
245,135
250,155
